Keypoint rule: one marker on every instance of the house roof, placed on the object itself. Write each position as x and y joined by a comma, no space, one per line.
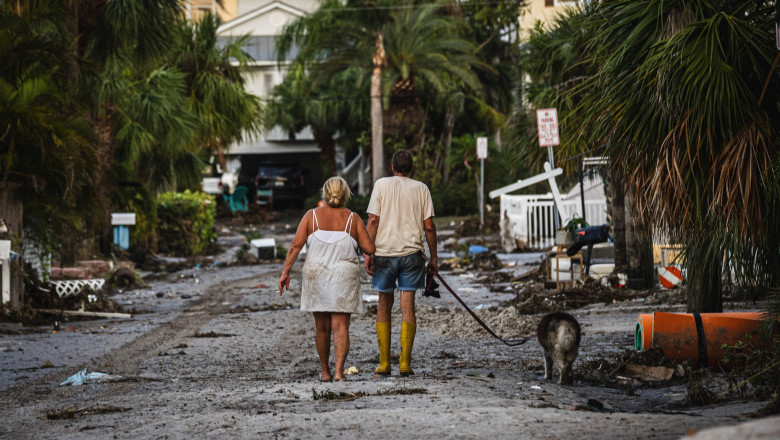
251,15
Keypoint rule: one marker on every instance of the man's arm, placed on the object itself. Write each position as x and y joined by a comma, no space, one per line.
372,227
430,237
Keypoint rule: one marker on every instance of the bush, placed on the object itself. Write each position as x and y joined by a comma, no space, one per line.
185,222
359,205
454,199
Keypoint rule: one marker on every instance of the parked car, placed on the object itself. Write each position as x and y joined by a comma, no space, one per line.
285,180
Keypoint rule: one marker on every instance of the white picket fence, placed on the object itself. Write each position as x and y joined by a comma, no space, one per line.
529,218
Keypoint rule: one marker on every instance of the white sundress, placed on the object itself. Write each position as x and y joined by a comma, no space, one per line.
331,273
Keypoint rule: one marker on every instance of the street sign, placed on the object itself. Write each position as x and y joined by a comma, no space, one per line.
547,123
482,148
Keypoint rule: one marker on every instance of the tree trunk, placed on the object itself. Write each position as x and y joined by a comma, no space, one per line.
639,250
377,150
705,267
327,147
617,205
449,124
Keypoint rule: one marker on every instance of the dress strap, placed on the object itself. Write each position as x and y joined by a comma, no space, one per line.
316,224
349,223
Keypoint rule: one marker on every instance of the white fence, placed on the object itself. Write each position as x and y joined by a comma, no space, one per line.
529,218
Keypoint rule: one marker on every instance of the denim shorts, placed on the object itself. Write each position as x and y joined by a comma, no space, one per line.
408,271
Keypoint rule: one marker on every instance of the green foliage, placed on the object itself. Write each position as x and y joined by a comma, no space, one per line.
575,223
142,202
359,205
186,222
454,199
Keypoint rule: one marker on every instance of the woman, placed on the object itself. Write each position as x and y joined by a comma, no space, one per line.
331,274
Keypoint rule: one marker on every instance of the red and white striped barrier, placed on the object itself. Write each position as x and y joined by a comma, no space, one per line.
670,276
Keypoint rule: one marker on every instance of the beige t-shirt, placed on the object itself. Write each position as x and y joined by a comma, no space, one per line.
402,204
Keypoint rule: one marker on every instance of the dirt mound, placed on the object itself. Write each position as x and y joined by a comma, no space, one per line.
506,322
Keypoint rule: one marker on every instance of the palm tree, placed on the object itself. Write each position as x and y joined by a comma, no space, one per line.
338,36
330,109
686,100
47,148
426,49
401,48
225,112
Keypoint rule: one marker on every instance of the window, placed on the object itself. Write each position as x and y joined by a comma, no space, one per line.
259,47
549,3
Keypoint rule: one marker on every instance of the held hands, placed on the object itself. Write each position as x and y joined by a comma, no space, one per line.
284,283
369,263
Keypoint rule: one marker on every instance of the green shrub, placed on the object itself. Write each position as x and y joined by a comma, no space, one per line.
359,205
185,222
454,199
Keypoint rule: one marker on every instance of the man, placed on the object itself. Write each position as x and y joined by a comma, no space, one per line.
400,213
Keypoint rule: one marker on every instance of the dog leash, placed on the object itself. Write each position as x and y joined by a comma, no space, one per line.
510,342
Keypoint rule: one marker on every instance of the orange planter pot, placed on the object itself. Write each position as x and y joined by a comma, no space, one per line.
697,337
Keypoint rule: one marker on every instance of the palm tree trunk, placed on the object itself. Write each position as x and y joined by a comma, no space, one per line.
449,124
377,151
327,146
705,264
617,205
639,251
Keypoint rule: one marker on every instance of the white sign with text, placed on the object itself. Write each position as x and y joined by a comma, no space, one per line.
547,122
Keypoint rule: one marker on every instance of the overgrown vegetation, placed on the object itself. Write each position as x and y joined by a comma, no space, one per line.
186,222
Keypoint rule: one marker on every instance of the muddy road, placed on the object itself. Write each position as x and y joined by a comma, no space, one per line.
217,353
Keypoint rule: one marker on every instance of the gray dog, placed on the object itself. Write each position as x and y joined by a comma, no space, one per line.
559,335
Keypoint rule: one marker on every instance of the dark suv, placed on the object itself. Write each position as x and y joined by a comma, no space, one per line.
285,180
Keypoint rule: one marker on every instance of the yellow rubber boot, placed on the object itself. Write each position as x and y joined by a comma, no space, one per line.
407,341
383,341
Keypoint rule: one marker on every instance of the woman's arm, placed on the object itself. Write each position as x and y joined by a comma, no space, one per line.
365,242
295,248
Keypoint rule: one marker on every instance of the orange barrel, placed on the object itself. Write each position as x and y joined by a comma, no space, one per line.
698,337
643,334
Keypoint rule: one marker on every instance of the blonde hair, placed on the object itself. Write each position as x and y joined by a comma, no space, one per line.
335,192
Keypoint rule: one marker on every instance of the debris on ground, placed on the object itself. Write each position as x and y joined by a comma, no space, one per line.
212,334
72,412
535,299
471,227
622,370
82,377
486,261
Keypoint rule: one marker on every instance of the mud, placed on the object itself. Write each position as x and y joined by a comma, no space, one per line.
220,354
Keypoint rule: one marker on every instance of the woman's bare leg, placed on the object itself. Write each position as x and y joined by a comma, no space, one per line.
340,326
322,341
